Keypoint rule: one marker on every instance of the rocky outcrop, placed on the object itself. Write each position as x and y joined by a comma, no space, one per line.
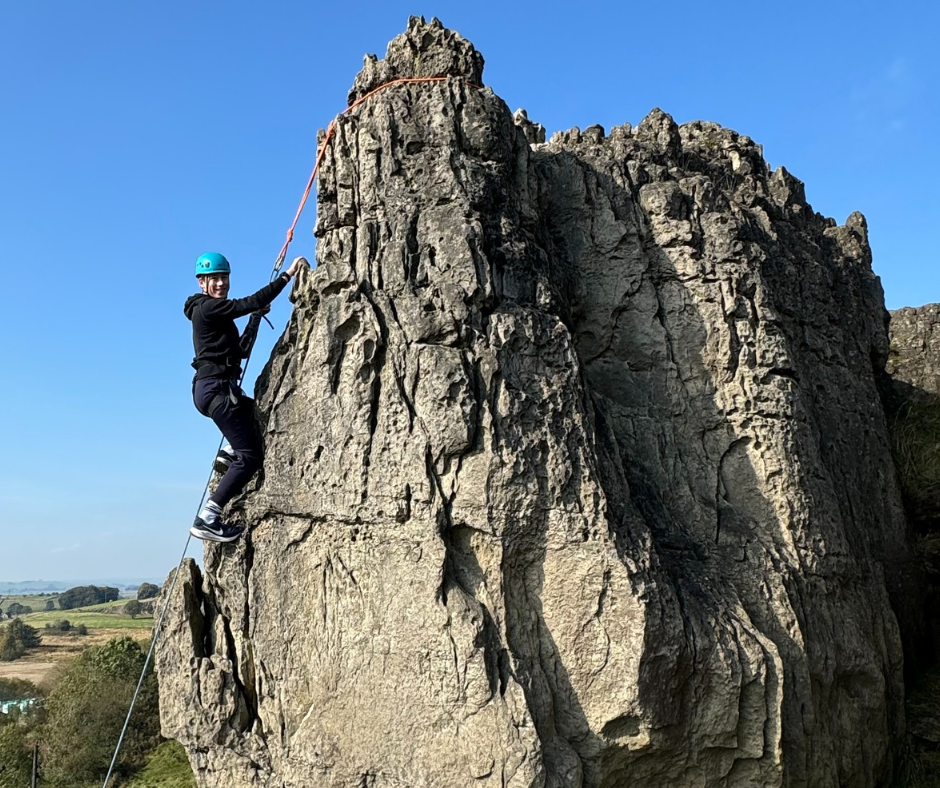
577,472
912,399
912,386
914,357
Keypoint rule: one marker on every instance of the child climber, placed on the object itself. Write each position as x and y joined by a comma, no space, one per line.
216,394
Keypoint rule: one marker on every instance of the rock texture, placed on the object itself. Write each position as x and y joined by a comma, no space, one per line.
912,388
914,358
913,404
577,472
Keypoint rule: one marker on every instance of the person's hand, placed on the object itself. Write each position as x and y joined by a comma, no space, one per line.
264,310
299,262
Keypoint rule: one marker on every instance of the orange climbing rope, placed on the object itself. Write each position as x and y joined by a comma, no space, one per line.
282,255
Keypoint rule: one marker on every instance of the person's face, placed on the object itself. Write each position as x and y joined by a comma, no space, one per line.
214,285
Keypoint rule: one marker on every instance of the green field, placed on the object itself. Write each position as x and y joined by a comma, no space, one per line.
93,616
90,620
103,607
36,601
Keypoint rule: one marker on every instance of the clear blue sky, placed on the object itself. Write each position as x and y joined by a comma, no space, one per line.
136,135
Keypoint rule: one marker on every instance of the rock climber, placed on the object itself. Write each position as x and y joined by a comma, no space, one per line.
219,352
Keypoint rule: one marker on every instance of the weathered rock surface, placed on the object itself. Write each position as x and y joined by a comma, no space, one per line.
913,404
577,472
914,358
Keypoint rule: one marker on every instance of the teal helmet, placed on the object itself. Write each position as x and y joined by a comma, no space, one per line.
212,263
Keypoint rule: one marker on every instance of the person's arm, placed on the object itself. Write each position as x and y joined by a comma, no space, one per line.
231,308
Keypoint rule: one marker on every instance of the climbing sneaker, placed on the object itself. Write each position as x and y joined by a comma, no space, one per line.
215,532
210,528
224,458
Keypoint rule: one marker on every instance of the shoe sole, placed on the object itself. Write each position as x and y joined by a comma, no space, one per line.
220,467
208,536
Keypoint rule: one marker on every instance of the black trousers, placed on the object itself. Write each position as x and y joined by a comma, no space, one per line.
236,420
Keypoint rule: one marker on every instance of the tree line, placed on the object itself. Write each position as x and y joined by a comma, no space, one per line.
79,596
78,719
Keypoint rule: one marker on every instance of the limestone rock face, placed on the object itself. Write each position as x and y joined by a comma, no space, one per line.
576,472
915,348
913,403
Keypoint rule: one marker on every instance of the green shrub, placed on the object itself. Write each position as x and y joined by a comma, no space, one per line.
10,649
15,689
166,767
85,712
15,638
16,760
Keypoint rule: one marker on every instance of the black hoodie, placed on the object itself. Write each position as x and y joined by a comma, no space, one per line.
219,349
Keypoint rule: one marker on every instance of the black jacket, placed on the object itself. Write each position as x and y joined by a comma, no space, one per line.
219,349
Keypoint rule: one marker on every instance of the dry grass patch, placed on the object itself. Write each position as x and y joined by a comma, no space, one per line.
56,651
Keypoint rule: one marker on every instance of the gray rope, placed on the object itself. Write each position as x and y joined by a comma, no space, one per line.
143,674
156,634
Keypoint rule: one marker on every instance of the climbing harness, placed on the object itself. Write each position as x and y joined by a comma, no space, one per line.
278,263
230,393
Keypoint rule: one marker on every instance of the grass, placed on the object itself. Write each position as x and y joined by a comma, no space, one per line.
93,616
90,620
166,767
35,601
58,648
102,606
38,603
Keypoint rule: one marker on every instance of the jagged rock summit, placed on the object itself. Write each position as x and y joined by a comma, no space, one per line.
576,475
423,50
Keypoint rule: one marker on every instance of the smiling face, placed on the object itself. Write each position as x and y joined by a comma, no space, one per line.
214,285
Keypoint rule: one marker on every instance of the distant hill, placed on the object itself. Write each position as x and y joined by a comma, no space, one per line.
32,587
52,586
